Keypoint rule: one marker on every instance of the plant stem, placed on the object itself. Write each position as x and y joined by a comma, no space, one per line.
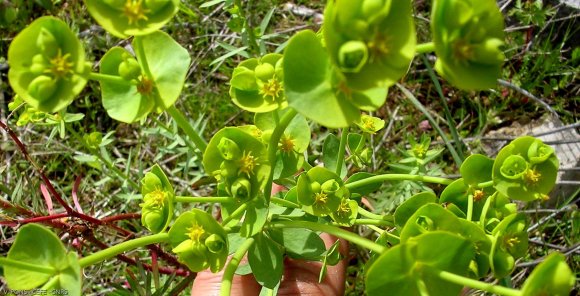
373,222
425,47
397,177
333,230
464,281
123,247
284,202
240,210
485,209
26,266
469,207
485,184
108,78
184,124
341,151
273,147
211,199
230,269
368,214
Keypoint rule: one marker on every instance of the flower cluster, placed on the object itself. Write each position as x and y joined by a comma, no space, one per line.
322,193
158,196
199,241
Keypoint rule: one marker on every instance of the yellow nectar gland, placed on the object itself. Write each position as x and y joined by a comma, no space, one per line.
134,11
286,144
343,209
478,195
156,197
145,86
462,51
248,163
419,151
511,241
369,124
532,176
320,198
379,46
60,65
272,88
195,232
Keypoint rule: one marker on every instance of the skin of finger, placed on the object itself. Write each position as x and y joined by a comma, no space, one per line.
300,278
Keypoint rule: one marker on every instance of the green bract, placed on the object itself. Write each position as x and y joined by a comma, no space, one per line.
552,277
47,65
257,84
238,161
526,169
370,124
152,81
468,35
199,241
318,90
510,242
371,41
158,196
36,245
124,18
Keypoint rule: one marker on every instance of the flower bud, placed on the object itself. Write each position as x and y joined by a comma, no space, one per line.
228,149
215,243
42,87
152,219
352,56
330,186
264,71
241,189
514,167
315,186
129,69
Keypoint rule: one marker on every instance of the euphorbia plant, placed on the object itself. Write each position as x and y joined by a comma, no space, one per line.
433,243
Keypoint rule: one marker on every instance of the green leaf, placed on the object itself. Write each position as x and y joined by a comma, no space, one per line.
402,267
411,205
552,277
143,17
299,243
256,216
329,154
266,259
476,169
308,77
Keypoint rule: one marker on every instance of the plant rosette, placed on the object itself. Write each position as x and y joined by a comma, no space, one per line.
372,42
158,200
322,193
526,169
124,18
152,80
47,65
257,85
238,161
199,241
468,36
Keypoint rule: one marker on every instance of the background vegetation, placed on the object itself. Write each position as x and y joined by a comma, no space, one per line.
543,59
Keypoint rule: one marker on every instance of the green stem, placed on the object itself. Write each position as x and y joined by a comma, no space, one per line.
230,269
341,151
397,177
108,78
485,209
273,147
333,230
368,214
123,247
469,207
425,47
450,122
184,124
464,281
239,211
26,266
284,202
485,184
373,222
210,199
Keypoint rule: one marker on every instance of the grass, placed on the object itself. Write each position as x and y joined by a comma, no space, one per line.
542,58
